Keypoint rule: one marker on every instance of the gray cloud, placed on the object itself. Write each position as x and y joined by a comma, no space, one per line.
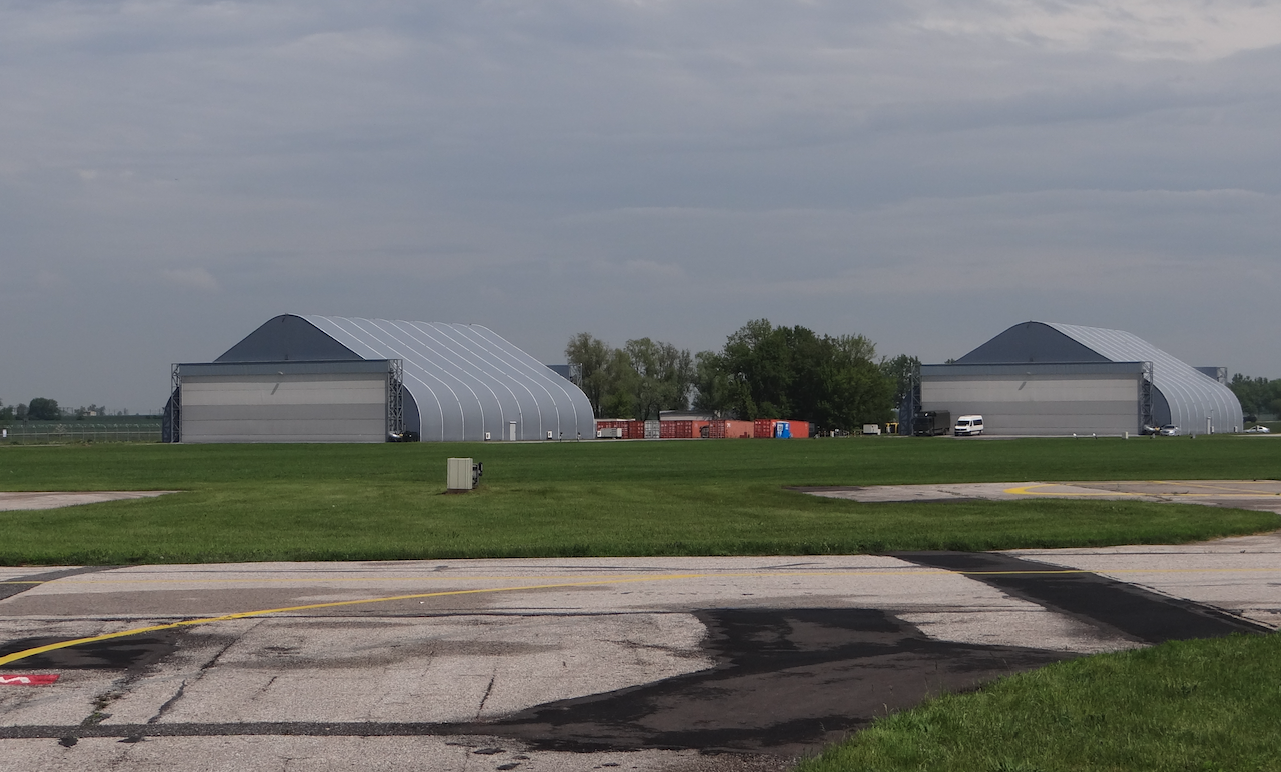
173,173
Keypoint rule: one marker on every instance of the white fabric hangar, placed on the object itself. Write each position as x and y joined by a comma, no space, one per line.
1044,378
337,379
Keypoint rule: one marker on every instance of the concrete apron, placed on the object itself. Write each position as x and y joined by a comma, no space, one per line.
674,663
1263,495
15,500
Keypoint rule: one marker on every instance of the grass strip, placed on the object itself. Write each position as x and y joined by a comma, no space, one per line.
1204,706
384,502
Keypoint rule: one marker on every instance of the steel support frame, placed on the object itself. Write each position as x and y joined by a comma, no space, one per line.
175,391
395,397
910,407
1145,396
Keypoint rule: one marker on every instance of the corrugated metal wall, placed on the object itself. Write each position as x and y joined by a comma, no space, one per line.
1027,404
317,407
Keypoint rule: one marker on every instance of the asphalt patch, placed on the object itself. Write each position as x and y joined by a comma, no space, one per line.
129,653
1132,611
787,682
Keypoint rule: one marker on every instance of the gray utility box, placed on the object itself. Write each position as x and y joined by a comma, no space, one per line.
461,474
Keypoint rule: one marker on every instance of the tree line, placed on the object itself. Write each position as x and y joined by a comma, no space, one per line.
1258,396
45,409
763,371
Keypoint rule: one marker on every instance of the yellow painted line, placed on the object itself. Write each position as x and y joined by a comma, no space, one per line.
9,658
1027,490
5,660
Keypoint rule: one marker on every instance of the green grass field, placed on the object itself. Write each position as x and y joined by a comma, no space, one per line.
380,502
1186,706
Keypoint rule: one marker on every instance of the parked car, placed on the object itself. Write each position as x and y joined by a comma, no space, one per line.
1149,429
968,425
1169,430
1258,429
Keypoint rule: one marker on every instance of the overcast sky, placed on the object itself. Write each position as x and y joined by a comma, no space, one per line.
922,172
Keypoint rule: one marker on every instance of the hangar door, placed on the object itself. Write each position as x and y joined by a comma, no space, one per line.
348,401
1040,399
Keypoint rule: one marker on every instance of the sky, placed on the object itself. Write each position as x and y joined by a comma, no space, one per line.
925,173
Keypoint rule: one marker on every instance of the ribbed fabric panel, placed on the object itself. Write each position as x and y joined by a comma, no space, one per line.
467,380
1192,395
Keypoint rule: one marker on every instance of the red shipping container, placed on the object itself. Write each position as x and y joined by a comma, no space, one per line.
632,430
800,429
763,428
676,430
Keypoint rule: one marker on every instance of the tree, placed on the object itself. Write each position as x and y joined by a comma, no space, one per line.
903,371
637,381
619,398
792,372
664,377
593,355
42,409
1256,395
714,391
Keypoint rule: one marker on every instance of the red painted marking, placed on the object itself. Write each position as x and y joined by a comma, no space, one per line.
28,680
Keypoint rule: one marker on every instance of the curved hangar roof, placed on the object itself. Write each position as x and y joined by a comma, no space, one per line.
460,380
1189,395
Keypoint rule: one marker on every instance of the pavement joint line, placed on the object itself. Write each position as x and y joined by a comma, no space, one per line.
1216,487
660,577
461,577
19,655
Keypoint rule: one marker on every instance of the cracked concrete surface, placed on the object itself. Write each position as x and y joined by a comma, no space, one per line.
378,686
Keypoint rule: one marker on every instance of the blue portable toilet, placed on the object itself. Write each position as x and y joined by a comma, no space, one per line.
783,430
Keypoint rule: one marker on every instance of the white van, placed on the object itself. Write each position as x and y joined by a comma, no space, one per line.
968,425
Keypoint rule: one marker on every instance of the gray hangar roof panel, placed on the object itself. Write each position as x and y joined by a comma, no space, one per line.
466,380
1193,396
